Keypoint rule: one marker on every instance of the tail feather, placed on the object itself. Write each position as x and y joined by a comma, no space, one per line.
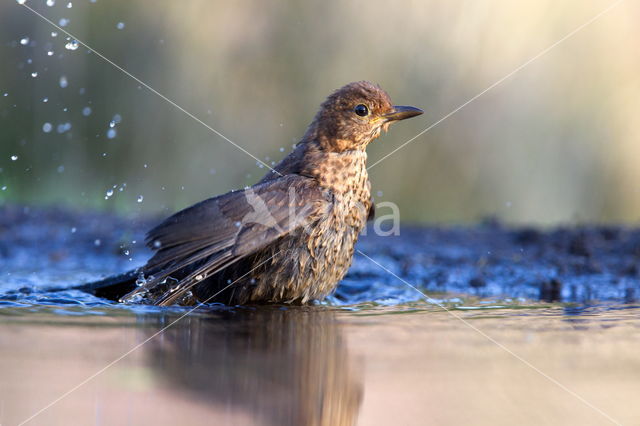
112,288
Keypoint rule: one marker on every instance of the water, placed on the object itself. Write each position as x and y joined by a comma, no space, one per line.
319,365
72,45
377,352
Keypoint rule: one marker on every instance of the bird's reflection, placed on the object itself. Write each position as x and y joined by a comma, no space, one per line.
281,366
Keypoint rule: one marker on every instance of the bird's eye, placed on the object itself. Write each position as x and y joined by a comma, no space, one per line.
361,110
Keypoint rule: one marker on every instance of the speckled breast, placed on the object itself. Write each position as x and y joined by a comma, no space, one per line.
308,264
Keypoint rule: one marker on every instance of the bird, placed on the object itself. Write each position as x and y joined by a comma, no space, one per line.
288,239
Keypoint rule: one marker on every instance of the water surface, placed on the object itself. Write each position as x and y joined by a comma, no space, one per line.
406,364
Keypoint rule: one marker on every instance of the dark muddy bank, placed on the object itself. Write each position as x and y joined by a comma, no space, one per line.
42,248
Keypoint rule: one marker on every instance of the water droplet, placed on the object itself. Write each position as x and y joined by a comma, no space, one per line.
14,157
157,244
73,230
111,133
4,188
46,127
63,22
51,3
126,252
72,45
45,100
140,281
281,149
86,111
238,224
63,82
69,5
112,123
97,242
140,198
109,192
24,41
54,34
50,53
117,119
21,1
199,277
120,25
63,127
34,74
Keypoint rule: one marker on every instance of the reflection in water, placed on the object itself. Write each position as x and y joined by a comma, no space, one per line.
281,366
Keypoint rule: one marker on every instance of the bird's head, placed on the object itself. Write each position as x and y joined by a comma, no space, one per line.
354,115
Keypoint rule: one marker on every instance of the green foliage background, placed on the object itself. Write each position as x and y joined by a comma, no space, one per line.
556,142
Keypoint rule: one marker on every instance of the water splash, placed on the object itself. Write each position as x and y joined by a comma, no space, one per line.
72,45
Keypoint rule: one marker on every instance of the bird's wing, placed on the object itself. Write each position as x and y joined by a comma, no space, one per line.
215,233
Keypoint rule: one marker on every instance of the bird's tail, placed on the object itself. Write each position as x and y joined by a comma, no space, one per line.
112,288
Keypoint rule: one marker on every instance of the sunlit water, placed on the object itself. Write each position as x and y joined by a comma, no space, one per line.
321,365
468,361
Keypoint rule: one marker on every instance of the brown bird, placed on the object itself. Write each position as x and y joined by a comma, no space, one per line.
289,238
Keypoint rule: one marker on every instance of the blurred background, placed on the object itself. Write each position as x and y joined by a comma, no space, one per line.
554,143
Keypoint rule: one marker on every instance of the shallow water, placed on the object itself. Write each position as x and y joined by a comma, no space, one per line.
406,364
378,352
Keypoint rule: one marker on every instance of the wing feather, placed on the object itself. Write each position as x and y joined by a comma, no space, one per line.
201,240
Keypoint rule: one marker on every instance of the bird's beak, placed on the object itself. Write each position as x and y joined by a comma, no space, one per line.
402,112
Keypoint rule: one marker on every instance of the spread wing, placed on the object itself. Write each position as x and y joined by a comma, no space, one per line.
213,234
